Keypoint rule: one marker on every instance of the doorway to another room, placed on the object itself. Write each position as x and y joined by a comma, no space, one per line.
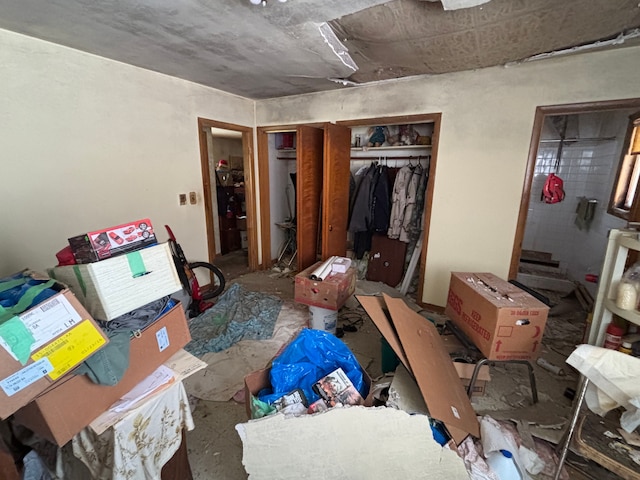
227,171
561,241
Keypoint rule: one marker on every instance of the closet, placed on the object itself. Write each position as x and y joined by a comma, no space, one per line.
310,166
390,165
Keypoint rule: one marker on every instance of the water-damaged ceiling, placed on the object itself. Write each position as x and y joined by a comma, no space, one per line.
304,46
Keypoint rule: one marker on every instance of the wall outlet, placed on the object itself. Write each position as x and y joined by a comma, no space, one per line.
192,198
182,198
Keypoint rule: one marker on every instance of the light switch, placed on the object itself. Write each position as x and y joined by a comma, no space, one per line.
192,198
182,198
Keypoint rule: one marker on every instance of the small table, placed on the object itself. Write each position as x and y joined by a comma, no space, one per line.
139,444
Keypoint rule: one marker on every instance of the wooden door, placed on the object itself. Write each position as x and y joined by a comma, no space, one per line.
309,148
335,196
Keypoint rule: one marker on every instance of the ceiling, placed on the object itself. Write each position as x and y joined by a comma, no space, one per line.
304,46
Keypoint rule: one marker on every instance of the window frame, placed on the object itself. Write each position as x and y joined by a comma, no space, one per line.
627,176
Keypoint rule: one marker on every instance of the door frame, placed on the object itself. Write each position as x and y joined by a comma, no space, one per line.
249,187
436,119
538,122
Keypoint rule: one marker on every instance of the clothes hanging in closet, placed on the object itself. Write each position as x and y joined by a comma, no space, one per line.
404,197
371,206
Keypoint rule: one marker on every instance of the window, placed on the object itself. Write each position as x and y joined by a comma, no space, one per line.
624,201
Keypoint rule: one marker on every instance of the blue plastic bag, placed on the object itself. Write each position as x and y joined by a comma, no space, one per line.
312,355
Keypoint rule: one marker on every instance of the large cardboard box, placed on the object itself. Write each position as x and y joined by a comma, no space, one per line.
72,404
117,285
502,320
57,334
416,342
331,293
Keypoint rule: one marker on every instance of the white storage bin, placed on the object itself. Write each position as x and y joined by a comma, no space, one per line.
117,285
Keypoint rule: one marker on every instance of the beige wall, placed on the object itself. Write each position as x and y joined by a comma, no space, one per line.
86,143
487,119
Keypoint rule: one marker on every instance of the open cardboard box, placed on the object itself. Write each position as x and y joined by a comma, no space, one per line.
70,405
260,379
59,334
502,320
419,347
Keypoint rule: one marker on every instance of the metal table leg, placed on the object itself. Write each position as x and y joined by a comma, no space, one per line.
572,426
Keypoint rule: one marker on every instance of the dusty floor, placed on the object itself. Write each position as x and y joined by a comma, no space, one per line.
215,449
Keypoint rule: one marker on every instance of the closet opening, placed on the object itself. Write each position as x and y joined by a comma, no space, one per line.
392,166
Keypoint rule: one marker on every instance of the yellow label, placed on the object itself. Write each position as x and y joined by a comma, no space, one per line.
71,348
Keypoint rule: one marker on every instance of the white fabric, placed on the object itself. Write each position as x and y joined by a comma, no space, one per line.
615,381
138,446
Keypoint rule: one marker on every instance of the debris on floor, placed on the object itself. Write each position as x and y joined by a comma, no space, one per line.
349,442
224,375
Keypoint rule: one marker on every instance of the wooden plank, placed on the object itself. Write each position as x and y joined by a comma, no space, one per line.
309,147
335,198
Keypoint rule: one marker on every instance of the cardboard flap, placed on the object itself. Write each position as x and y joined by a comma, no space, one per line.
375,308
433,370
498,291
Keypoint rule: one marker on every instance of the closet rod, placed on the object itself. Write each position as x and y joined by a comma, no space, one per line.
593,139
383,157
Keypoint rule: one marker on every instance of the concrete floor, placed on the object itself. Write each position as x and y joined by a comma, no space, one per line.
215,449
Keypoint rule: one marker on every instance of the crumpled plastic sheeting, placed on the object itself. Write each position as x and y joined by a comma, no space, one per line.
239,314
614,381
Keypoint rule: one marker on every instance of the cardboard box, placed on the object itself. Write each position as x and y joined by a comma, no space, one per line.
417,344
120,284
61,334
72,404
241,223
465,372
502,320
331,293
260,379
109,242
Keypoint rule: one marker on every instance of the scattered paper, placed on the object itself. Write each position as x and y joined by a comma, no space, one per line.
162,376
181,365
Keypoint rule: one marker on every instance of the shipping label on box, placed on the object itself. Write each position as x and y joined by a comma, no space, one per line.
109,242
502,320
71,404
118,285
331,293
41,345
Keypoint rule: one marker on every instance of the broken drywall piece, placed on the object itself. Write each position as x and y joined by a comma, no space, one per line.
351,442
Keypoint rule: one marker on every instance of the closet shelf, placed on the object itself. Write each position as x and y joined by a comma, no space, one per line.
390,147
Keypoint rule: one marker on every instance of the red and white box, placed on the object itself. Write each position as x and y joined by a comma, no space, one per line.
109,242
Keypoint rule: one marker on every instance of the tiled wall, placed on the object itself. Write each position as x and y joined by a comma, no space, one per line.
588,169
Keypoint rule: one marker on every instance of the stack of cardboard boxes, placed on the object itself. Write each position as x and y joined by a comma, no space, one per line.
58,405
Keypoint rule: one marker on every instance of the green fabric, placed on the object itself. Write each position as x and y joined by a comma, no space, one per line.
108,365
136,264
18,337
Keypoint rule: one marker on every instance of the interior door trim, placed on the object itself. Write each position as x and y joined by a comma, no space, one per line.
249,186
538,121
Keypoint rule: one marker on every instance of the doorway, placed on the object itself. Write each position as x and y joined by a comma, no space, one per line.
562,242
227,176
